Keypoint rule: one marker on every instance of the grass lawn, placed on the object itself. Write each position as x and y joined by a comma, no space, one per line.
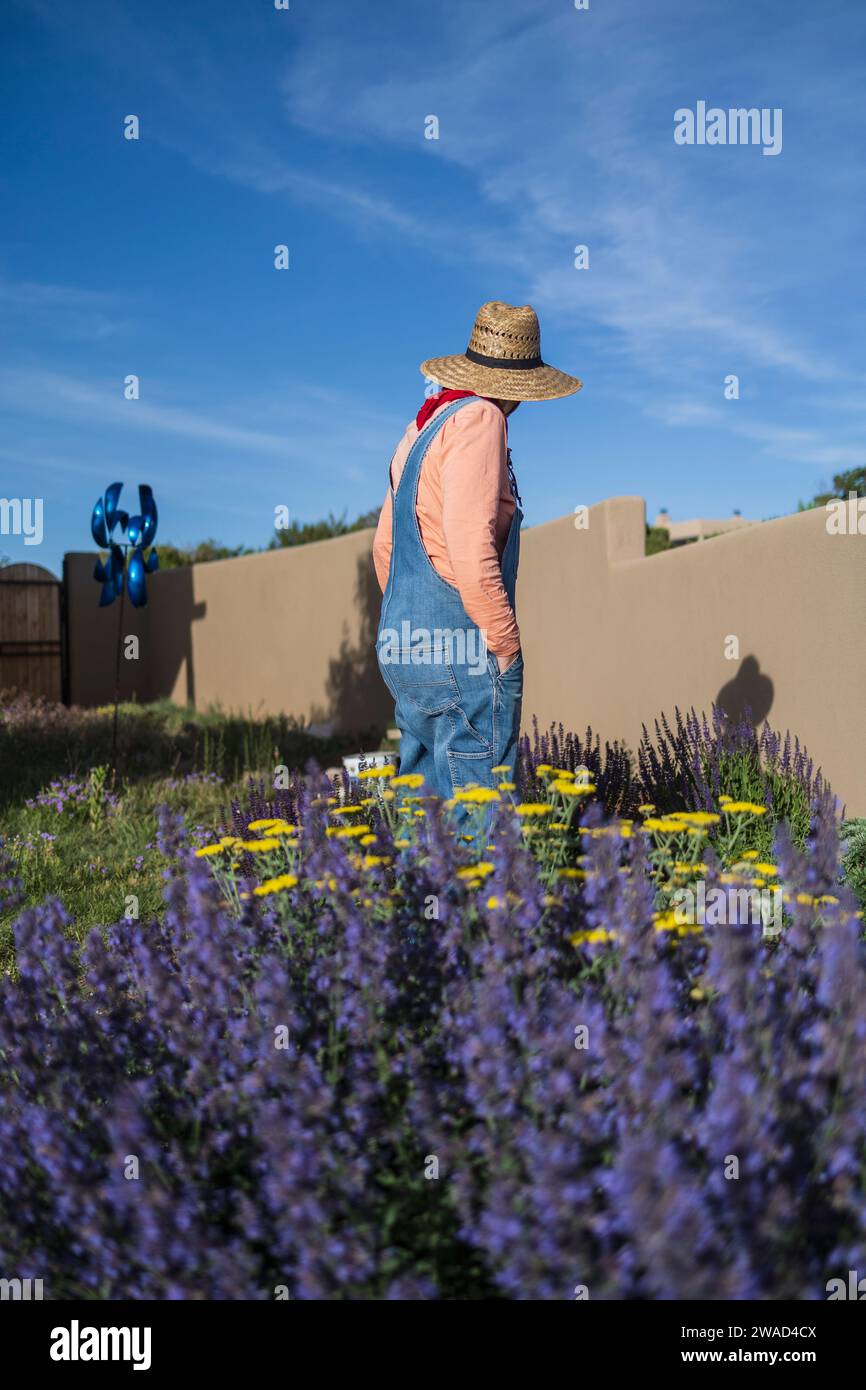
70,835
96,856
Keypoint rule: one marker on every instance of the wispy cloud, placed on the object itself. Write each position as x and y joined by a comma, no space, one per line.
779,441
686,275
337,420
65,310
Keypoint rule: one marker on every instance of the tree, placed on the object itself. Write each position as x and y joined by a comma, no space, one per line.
853,480
305,532
658,538
172,557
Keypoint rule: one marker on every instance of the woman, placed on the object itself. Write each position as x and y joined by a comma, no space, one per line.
446,553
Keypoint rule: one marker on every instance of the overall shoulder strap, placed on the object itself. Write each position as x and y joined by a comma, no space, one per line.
407,488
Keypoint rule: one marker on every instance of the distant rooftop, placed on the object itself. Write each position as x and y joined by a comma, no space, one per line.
700,529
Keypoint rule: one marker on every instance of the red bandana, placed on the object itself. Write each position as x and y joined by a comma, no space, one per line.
433,403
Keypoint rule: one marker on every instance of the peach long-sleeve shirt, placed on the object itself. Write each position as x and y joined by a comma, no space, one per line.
464,508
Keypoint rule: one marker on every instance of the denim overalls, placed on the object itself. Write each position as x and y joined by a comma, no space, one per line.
458,717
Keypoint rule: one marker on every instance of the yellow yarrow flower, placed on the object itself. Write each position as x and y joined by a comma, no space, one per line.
501,767
259,846
507,786
665,921
596,936
375,772
275,885
480,870
566,788
207,850
344,810
263,824
367,840
769,869
347,832
744,808
477,795
408,779
533,808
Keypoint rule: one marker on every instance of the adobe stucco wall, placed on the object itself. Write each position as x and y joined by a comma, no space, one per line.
611,638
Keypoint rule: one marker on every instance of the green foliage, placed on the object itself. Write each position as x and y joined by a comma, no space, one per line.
93,866
657,539
302,533
852,480
172,557
743,777
40,741
97,795
854,857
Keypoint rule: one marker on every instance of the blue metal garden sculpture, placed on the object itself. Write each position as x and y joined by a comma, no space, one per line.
140,531
128,561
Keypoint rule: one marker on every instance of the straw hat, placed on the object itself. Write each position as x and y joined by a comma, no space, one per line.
503,359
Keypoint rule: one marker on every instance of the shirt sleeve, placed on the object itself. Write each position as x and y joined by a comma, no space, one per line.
382,543
473,466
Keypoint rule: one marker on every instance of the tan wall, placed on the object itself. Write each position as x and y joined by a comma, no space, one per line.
611,638
288,630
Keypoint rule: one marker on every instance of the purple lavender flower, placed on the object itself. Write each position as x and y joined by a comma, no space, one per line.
342,1095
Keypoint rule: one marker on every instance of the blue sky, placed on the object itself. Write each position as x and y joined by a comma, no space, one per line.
262,388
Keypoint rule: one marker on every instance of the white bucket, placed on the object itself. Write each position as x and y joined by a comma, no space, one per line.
359,762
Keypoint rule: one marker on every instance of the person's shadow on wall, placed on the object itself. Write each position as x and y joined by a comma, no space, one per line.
358,699
749,695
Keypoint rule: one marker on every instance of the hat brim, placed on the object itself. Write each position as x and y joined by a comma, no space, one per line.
534,384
